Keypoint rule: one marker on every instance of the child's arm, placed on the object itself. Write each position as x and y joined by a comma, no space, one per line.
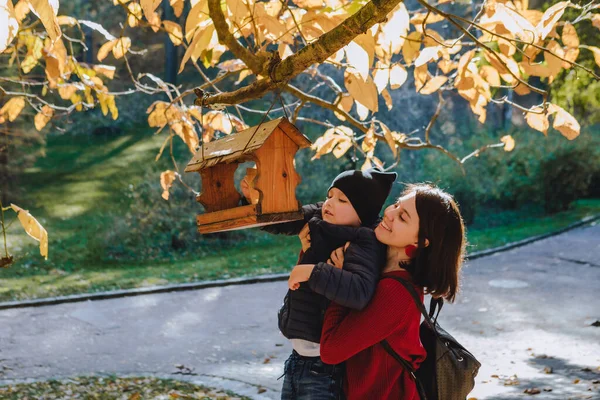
293,228
354,285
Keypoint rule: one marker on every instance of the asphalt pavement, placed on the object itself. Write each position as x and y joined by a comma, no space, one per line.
530,315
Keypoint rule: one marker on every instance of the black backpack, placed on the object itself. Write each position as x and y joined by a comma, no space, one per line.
448,372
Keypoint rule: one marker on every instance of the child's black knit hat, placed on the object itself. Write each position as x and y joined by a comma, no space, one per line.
366,190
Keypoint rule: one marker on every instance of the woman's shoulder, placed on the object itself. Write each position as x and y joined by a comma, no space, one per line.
390,284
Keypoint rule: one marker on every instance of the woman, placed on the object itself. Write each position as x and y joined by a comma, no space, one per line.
424,233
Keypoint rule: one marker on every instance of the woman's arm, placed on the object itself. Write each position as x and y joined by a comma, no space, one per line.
346,332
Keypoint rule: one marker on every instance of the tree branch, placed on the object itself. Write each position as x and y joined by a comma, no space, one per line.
374,12
322,103
254,61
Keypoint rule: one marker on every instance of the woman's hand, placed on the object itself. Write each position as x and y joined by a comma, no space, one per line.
304,236
299,274
337,256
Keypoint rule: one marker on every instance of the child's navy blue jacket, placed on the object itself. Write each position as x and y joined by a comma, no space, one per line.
301,316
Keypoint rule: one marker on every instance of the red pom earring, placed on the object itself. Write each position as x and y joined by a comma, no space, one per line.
410,250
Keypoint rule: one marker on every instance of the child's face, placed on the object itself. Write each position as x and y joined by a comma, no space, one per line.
338,210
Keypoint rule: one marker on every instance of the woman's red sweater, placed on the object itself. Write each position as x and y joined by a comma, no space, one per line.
354,336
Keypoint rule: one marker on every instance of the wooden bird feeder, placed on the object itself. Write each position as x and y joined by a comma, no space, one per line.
272,146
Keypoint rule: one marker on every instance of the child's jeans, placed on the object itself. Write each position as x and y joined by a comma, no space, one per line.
309,378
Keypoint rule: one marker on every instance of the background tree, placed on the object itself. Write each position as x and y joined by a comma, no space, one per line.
346,57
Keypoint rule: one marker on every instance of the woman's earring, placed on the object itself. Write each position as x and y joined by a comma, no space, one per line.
410,250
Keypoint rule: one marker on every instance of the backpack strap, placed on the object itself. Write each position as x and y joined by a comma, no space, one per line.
401,360
407,366
433,305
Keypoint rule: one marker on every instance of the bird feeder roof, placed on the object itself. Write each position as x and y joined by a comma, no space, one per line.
234,147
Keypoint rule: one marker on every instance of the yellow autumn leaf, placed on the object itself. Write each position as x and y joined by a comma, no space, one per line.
426,55
33,228
177,7
107,103
149,6
197,15
345,102
554,60
571,55
538,120
398,76
106,48
358,58
157,117
421,75
154,22
309,4
565,123
388,99
22,9
411,47
106,70
490,74
569,36
392,33
174,31
43,117
67,90
56,60
389,138
418,19
337,140
342,147
121,47
66,20
381,75
186,131
369,142
46,12
201,39
166,181
135,14
596,20
446,65
596,52
509,143
364,92
217,120
434,84
9,24
12,108
550,18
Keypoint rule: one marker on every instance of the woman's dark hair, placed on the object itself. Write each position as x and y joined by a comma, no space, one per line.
437,266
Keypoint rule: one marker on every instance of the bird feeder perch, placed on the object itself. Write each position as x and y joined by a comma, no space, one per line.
272,145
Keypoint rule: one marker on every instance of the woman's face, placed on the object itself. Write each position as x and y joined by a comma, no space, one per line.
338,210
400,224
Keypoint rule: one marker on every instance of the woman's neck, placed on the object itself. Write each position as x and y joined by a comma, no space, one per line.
394,257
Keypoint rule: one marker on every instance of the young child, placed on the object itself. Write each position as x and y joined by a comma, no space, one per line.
351,210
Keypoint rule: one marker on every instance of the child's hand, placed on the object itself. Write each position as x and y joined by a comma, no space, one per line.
337,256
299,274
304,236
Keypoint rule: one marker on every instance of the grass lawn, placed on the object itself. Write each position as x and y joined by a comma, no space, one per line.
81,190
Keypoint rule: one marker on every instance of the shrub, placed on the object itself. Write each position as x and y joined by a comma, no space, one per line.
566,176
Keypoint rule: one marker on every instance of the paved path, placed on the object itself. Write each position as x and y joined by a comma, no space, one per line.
519,312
